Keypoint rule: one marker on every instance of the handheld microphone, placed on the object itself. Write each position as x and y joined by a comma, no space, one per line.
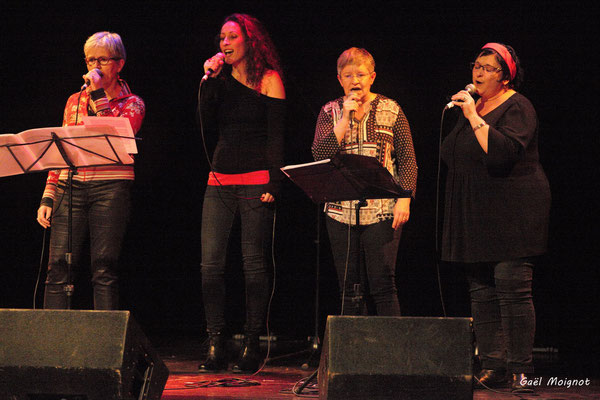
470,88
210,70
87,81
351,115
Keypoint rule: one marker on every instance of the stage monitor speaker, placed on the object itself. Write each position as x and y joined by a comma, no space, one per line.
377,358
76,355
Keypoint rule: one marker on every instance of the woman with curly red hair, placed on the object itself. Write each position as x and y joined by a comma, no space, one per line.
242,103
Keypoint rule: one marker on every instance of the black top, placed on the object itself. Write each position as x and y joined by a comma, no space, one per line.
497,204
250,127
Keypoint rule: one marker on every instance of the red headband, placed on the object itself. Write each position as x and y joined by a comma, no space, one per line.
505,54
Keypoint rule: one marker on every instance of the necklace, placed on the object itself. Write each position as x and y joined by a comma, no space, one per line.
499,95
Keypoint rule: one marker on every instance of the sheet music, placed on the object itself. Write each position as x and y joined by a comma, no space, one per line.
34,149
288,167
121,125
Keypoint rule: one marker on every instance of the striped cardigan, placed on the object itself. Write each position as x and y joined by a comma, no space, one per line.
125,105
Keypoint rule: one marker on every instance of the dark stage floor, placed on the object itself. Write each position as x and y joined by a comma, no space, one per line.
284,372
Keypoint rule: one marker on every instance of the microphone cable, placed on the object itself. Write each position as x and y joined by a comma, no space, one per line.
202,135
78,102
437,217
41,266
39,274
269,304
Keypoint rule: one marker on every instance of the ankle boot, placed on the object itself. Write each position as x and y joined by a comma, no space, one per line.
518,384
216,359
250,358
490,378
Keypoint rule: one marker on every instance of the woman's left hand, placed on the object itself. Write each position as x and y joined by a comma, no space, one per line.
267,198
401,212
465,101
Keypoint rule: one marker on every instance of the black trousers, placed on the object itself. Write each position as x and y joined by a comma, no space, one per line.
101,213
503,313
376,246
221,206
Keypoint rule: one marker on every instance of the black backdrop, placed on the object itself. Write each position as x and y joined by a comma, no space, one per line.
422,52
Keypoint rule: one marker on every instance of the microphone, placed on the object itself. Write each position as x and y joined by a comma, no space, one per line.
210,70
87,81
351,115
469,88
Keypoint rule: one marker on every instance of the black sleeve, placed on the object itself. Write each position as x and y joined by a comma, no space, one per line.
510,136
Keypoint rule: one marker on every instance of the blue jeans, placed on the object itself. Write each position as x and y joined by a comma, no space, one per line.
378,250
221,205
101,212
503,313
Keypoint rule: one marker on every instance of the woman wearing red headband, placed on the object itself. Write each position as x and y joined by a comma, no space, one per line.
496,213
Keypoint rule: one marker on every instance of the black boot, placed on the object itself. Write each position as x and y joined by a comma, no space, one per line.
490,378
216,358
518,384
250,358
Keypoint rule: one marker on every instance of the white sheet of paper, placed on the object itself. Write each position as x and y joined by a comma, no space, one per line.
121,125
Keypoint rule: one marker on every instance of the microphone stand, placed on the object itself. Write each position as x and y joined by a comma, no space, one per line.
69,288
315,346
347,177
357,299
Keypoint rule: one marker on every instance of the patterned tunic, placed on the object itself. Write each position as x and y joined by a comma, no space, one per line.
126,105
383,133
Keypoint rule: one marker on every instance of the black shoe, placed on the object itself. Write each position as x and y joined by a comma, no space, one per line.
216,358
491,378
250,358
519,384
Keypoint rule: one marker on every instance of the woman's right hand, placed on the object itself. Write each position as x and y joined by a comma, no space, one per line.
351,103
43,216
465,101
215,63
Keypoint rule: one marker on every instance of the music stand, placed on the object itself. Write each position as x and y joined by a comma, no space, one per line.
346,177
105,141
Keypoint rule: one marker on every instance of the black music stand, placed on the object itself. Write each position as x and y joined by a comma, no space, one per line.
60,148
345,177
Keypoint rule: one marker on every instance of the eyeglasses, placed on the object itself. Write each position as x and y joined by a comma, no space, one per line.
360,76
102,60
487,68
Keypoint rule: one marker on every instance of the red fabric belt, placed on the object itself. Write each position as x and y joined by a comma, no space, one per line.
247,178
